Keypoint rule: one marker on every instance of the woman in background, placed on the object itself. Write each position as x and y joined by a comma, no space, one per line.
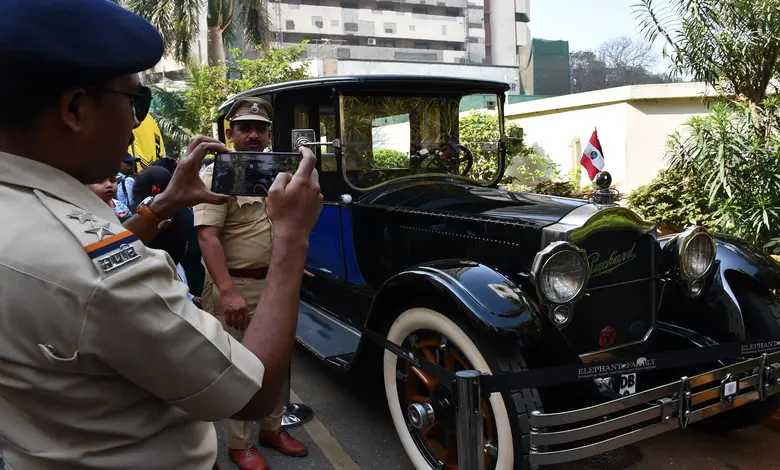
192,263
173,239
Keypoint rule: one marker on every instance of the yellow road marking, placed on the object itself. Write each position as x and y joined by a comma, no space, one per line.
326,442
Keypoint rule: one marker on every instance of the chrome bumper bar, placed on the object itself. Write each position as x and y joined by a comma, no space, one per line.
578,434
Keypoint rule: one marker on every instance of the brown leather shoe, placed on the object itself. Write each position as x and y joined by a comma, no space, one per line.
248,459
284,442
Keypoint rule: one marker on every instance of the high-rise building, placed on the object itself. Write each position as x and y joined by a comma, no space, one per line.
467,38
474,32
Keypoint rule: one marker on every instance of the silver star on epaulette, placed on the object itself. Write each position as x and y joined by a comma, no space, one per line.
81,216
101,231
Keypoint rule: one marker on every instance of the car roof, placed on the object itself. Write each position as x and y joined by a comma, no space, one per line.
378,82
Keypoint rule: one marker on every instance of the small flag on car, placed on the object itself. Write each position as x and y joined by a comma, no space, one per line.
593,158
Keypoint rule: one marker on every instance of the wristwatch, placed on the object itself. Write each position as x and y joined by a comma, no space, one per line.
150,216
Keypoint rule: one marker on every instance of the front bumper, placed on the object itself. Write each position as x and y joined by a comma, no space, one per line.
578,434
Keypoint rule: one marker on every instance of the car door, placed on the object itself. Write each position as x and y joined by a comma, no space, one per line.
326,254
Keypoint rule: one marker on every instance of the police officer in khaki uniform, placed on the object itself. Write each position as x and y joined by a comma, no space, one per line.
236,242
104,363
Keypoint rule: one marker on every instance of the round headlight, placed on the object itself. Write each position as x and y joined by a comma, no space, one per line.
563,276
698,255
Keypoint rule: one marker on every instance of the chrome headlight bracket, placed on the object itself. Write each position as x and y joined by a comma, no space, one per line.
694,285
560,313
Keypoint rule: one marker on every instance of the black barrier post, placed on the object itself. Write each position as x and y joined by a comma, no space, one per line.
469,419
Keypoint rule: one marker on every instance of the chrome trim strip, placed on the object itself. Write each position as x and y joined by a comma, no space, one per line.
571,221
582,221
718,408
606,354
568,455
714,393
718,374
585,432
591,412
665,408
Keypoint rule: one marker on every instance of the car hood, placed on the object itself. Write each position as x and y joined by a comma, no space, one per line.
453,197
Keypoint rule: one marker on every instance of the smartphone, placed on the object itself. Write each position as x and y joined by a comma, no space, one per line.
250,173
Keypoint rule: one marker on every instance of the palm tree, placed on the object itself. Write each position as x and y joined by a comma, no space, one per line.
227,17
177,112
177,21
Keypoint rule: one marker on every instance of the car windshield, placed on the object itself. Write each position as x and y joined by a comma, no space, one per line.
390,137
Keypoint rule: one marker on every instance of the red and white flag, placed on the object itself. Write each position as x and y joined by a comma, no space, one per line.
593,158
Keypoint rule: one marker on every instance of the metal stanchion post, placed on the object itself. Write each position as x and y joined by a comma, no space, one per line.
469,421
295,414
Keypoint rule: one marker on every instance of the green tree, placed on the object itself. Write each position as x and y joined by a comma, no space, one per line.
733,45
734,153
180,114
739,167
177,21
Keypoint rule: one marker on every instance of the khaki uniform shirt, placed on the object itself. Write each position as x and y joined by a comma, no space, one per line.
246,232
104,363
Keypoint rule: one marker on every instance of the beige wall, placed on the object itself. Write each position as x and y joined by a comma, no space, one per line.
650,123
633,124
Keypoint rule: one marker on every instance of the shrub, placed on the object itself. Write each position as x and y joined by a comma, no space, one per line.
673,201
389,158
738,166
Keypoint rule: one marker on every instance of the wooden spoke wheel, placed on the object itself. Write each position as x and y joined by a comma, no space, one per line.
415,386
433,443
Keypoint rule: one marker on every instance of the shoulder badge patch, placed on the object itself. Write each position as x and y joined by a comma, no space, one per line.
113,252
108,245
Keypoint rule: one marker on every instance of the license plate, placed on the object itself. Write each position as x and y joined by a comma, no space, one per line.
627,384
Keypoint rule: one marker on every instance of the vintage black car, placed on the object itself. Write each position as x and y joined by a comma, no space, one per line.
427,250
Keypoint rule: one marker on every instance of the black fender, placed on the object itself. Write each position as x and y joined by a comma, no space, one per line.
491,304
737,259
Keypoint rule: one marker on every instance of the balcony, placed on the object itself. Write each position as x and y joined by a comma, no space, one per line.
335,21
523,11
319,51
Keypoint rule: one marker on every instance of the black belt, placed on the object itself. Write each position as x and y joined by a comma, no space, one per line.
256,273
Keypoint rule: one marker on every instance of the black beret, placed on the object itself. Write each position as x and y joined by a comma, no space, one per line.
75,39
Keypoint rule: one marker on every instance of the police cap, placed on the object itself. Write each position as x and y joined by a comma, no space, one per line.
251,109
75,39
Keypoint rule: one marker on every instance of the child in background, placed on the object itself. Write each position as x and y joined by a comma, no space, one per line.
106,191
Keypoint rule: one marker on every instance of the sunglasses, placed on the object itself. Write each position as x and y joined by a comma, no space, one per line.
141,100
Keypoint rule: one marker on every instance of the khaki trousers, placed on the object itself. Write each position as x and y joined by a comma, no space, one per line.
239,433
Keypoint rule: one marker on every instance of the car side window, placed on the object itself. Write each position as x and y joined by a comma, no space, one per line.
390,141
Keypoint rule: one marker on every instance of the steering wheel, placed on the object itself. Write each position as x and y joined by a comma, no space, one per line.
450,158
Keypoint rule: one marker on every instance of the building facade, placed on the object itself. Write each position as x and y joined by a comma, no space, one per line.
479,39
466,32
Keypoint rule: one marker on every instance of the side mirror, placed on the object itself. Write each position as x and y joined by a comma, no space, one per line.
308,138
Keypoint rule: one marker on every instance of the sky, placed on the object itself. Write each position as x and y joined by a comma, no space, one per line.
586,24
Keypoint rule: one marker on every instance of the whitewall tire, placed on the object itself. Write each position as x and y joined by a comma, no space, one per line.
426,319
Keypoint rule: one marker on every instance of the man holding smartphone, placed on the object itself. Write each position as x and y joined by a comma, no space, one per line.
104,361
236,240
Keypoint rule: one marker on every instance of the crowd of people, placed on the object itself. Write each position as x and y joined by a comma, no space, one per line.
136,309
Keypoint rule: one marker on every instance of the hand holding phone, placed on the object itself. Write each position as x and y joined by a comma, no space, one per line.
295,201
251,173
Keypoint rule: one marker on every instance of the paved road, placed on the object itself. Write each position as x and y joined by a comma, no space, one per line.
351,423
352,431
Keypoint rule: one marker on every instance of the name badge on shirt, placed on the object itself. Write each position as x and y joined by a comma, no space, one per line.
125,254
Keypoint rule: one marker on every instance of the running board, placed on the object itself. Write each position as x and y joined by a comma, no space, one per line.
328,338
